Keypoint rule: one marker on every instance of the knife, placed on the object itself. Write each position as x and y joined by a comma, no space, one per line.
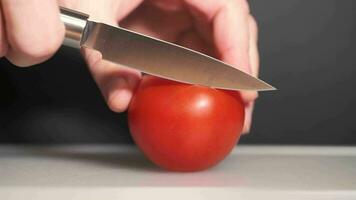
153,56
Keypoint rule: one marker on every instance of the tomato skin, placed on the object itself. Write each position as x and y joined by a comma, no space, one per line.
184,127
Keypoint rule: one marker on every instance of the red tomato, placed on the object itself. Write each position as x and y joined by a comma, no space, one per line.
184,127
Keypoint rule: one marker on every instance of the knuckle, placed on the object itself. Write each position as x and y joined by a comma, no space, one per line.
40,45
253,24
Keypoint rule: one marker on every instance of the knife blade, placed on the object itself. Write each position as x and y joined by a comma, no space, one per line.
153,56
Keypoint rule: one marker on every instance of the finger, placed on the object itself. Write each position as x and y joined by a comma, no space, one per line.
254,60
152,16
116,83
3,43
231,34
192,40
232,38
33,29
229,21
248,118
253,57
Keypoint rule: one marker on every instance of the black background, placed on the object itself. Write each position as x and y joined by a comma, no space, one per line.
308,51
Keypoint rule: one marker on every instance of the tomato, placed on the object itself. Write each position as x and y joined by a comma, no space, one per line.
184,127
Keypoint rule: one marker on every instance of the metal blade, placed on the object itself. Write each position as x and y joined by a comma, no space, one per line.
164,59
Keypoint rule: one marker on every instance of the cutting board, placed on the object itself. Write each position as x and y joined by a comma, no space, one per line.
122,172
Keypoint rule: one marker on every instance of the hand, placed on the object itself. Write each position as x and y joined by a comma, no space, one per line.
221,28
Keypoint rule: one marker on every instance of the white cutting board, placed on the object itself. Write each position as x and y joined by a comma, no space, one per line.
122,172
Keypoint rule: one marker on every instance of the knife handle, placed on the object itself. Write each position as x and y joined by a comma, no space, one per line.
74,23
